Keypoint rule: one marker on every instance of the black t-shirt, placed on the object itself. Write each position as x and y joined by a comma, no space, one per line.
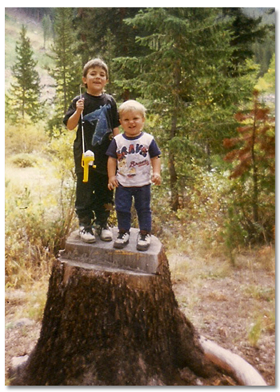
100,117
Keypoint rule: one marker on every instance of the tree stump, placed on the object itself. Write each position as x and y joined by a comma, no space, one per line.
111,318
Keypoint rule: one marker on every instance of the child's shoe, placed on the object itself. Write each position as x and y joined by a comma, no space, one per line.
87,234
122,240
143,241
106,233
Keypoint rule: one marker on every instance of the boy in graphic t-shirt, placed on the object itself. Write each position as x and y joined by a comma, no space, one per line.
95,113
132,155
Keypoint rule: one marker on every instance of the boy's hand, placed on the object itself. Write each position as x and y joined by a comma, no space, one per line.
80,105
156,178
113,183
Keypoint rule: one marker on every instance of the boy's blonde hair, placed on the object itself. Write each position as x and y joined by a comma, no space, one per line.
132,105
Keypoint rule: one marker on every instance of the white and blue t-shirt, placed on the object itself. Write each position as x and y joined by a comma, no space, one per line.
133,158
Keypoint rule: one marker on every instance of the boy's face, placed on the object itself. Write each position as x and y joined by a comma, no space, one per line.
132,122
96,80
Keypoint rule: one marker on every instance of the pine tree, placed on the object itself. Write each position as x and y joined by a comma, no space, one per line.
184,72
110,38
23,96
67,71
47,28
246,30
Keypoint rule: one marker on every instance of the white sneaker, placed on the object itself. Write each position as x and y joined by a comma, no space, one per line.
106,234
122,240
143,241
87,234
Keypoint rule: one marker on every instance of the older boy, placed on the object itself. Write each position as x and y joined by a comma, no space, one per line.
100,123
131,157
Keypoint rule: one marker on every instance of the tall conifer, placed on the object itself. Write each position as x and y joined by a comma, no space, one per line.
24,94
184,72
67,71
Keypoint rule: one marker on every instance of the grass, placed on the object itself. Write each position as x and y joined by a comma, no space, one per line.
31,304
39,203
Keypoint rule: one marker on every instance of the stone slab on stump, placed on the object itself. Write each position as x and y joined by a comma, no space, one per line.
103,254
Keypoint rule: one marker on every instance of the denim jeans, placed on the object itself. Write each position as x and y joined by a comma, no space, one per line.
142,201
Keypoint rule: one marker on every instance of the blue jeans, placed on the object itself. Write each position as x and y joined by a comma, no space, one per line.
142,201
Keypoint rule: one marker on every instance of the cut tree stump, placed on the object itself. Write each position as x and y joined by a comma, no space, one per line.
111,318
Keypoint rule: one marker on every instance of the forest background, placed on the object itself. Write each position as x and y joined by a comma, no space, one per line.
207,77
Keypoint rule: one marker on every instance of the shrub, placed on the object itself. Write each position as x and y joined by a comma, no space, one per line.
24,138
39,216
23,160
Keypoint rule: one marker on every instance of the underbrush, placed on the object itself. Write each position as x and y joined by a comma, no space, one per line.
206,224
35,230
39,205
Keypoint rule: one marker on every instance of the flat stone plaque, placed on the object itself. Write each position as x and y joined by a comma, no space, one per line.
103,254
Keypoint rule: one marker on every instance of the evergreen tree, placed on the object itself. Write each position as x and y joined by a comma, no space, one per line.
246,30
104,34
67,71
24,94
184,72
47,28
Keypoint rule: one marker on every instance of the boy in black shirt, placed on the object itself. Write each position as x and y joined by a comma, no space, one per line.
98,111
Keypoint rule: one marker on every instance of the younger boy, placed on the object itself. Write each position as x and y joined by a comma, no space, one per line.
100,123
131,157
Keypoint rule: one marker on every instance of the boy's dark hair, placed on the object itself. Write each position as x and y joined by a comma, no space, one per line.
95,63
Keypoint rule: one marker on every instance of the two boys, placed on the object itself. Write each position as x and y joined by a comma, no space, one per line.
128,157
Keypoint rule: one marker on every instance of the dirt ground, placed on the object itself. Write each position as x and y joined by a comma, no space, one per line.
226,307
235,309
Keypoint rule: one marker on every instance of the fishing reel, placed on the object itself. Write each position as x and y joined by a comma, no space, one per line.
87,160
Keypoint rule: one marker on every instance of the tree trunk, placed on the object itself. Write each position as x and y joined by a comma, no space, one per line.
255,170
111,318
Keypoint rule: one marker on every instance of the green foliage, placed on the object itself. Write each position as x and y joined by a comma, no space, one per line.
110,39
24,138
198,224
262,323
253,156
23,97
67,70
179,63
47,28
185,78
233,233
39,209
267,82
246,30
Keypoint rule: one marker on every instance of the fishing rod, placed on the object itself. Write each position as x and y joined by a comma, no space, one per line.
87,156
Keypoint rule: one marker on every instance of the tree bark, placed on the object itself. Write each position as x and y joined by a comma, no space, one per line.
105,324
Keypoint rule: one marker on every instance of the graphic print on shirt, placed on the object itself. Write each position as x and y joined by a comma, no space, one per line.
98,119
131,157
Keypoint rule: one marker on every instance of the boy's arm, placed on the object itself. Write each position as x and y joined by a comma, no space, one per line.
111,167
156,165
74,119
